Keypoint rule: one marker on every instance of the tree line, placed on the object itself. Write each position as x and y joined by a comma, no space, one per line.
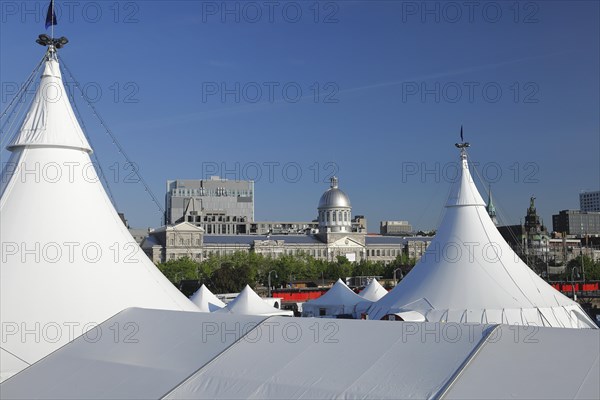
232,272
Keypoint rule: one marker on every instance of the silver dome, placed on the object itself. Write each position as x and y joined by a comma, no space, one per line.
334,197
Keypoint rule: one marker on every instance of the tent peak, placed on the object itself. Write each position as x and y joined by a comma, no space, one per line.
50,121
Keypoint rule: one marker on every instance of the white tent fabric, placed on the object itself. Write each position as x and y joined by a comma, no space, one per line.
206,301
373,291
533,364
249,303
470,274
68,261
181,355
140,354
340,299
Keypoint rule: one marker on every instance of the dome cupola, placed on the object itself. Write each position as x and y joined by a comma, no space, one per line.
335,211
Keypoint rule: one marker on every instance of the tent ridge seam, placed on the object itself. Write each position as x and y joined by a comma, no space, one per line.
200,368
472,355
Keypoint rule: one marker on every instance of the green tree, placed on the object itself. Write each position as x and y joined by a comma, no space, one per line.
339,269
591,268
231,278
180,269
368,268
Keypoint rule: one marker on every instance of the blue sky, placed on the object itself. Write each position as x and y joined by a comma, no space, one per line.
373,91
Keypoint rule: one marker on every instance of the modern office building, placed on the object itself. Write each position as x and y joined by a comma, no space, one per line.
219,206
576,222
589,201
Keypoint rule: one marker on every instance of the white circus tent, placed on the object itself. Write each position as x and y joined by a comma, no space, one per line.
470,274
249,303
68,261
373,291
338,300
205,300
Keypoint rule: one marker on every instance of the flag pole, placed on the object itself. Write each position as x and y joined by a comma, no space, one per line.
53,21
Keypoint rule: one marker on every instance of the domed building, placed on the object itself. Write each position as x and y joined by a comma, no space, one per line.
334,232
335,225
335,211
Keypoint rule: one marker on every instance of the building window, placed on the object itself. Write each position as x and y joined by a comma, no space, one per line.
334,215
328,216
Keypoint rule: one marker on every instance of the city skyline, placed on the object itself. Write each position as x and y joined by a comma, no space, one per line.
202,94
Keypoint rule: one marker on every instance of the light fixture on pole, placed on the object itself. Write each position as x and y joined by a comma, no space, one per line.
395,275
270,272
573,282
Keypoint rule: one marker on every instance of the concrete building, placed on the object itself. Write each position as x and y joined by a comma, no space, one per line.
336,233
589,201
219,206
395,228
577,223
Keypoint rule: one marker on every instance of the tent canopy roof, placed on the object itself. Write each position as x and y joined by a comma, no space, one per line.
249,303
469,273
339,294
373,291
205,300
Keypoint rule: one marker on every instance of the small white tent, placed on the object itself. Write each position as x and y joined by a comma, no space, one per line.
249,303
373,291
205,300
338,300
470,274
62,240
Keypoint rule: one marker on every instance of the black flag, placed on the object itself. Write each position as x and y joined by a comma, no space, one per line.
461,135
51,16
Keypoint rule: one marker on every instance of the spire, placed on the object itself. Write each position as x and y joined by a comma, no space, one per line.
490,206
463,191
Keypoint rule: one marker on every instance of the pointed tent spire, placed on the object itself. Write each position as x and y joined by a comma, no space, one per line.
340,299
50,121
62,240
206,301
373,291
249,303
470,274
